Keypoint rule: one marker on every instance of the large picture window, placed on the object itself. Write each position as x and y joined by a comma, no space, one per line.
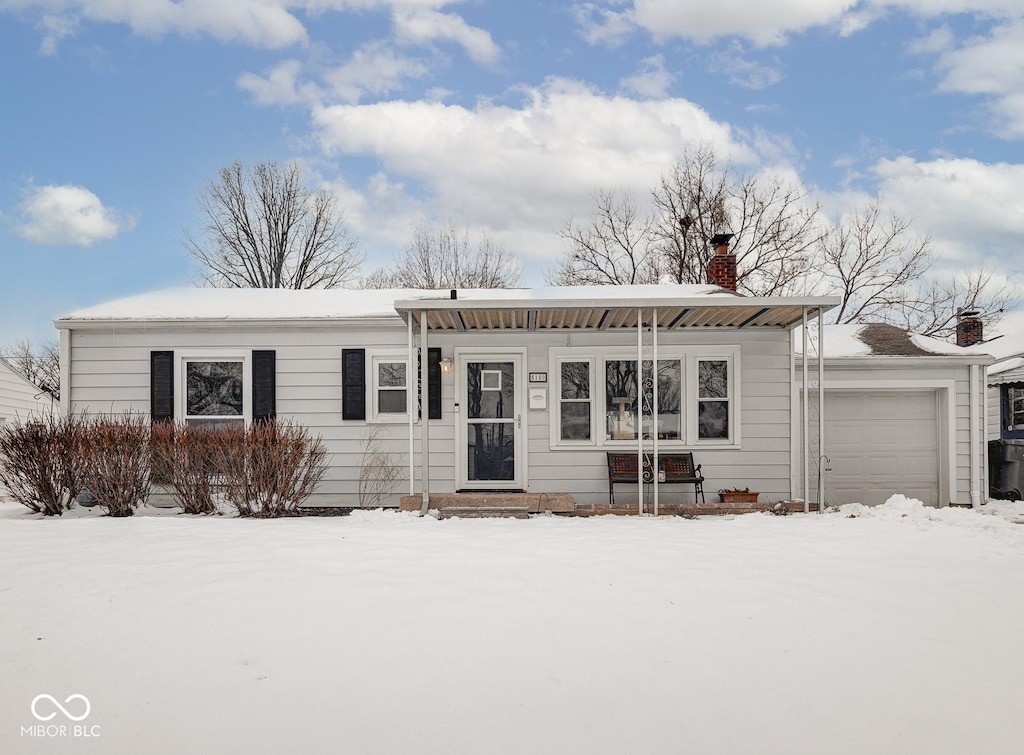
601,400
214,392
623,403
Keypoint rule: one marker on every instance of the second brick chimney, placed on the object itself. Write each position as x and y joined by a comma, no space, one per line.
722,267
969,329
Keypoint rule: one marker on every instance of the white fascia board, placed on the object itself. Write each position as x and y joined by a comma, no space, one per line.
879,360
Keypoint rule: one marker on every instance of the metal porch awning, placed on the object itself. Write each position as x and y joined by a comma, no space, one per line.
725,310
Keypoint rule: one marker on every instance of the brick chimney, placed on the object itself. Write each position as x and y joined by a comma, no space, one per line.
722,267
968,328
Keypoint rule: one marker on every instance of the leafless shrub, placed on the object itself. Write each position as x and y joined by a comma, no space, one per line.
188,459
378,472
39,463
116,462
278,467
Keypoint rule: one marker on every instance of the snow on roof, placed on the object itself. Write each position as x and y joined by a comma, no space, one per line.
878,339
266,304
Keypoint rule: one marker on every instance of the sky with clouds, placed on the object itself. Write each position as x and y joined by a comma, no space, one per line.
503,117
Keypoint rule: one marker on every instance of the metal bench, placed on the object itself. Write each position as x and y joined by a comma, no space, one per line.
678,468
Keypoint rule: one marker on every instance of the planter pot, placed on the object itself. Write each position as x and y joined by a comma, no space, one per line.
737,496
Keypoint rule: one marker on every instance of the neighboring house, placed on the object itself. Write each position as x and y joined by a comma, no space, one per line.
20,399
1005,377
903,414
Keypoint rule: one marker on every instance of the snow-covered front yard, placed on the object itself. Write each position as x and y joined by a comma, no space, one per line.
900,630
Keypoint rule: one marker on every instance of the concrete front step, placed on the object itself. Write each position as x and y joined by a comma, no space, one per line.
484,512
534,503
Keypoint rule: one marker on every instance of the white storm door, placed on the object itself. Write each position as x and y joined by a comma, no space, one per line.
491,421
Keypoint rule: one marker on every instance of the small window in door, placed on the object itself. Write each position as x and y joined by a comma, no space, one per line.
490,380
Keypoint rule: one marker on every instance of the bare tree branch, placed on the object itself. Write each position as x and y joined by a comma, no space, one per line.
40,365
262,228
439,257
615,247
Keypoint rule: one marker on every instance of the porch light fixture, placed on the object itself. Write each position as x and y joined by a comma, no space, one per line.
447,368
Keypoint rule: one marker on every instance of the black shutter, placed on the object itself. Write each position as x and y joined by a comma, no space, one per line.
434,382
264,385
161,386
353,383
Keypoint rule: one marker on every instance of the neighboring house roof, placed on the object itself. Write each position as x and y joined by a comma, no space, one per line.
210,304
1007,346
879,340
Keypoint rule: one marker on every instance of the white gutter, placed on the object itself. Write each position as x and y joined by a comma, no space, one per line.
973,446
639,412
655,465
821,411
803,419
424,413
410,407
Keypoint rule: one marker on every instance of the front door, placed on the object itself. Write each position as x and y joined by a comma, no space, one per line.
491,414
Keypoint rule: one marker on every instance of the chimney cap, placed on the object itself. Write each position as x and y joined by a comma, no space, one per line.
721,239
963,314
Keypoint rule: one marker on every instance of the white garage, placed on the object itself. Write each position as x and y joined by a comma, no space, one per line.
902,414
880,443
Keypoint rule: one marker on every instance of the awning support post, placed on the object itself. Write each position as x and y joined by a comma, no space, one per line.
424,413
410,407
804,419
655,465
821,411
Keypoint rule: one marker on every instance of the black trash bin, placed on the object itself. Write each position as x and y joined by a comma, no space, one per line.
1005,467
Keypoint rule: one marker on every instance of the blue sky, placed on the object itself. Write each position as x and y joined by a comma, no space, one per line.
503,117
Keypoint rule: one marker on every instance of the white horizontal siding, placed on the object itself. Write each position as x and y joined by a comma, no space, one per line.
109,373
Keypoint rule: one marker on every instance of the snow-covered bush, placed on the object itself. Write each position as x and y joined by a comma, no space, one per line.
39,462
189,460
116,462
279,467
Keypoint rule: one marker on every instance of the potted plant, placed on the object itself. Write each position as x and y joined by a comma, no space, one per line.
738,495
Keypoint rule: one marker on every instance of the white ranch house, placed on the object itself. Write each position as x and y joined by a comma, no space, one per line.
528,390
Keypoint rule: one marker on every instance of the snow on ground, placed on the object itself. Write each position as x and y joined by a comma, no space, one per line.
894,629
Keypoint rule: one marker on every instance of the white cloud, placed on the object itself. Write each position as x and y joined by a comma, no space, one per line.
991,66
652,80
603,26
268,23
742,71
68,214
421,26
54,28
375,69
518,172
278,85
763,23
974,210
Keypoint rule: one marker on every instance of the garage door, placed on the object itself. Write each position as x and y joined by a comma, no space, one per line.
881,443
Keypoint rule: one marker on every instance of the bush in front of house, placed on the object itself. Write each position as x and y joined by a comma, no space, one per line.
189,461
40,463
278,467
116,463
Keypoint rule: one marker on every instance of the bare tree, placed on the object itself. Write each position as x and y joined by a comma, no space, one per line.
873,260
40,365
615,247
439,257
932,309
774,229
262,228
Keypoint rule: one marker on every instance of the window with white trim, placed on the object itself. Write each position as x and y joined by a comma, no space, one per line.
713,399
598,401
574,400
390,388
621,399
214,392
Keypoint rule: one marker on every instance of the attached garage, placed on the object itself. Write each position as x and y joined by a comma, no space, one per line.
902,414
880,443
